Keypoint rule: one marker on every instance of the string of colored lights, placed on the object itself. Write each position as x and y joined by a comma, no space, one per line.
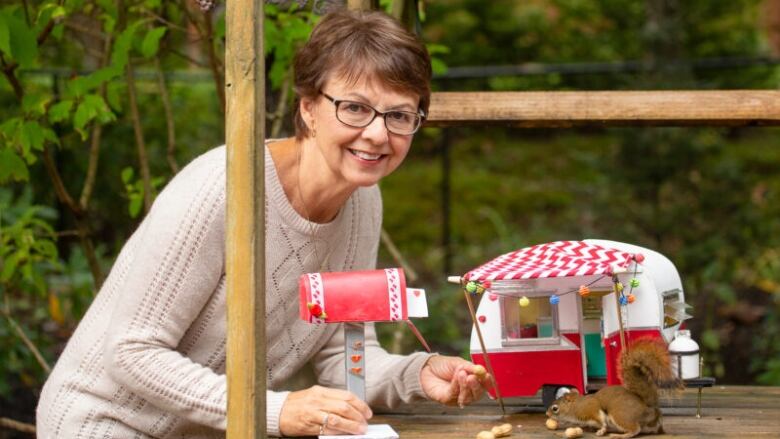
477,288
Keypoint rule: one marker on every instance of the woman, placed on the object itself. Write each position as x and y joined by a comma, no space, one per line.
148,358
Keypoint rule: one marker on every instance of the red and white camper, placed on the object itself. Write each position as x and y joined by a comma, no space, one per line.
556,315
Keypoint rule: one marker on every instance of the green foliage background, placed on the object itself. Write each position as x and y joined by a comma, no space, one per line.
101,102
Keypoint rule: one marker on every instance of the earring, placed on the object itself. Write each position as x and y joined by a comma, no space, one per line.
314,132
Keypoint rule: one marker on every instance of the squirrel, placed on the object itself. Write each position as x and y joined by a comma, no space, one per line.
631,408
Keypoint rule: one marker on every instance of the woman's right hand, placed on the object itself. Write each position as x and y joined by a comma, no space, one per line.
304,411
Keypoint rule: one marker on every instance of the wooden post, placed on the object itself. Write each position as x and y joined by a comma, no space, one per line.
606,108
245,244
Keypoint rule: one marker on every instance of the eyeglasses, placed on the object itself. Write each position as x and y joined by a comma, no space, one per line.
360,115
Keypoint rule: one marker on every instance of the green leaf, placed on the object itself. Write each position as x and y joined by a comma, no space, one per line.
9,266
35,104
219,28
83,84
84,113
23,41
122,46
31,137
91,107
109,23
710,339
57,31
5,37
12,167
127,175
151,42
60,111
48,12
436,49
114,95
134,208
50,135
272,36
438,66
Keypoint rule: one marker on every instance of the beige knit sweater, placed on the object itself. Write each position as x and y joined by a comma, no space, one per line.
148,358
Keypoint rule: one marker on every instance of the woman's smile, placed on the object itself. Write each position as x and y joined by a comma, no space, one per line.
366,157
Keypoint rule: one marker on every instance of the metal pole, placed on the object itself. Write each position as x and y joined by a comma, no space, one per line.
355,359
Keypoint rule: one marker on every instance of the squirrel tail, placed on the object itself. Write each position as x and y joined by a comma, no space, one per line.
645,367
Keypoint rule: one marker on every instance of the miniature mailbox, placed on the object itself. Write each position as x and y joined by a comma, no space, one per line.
558,314
357,297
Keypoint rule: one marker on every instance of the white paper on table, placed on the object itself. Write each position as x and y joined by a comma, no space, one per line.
374,431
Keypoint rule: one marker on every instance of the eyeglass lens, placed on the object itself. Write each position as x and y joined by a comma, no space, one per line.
360,115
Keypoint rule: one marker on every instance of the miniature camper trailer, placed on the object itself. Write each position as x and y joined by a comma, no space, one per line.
557,315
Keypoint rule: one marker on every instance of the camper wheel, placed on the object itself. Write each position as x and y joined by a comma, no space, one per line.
551,392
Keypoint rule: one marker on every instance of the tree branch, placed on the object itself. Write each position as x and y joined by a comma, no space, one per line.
80,216
26,8
143,158
16,425
163,20
188,58
169,122
399,259
10,75
281,107
59,186
86,30
214,61
97,133
27,342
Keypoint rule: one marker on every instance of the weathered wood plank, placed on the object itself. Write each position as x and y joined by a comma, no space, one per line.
245,241
728,412
606,108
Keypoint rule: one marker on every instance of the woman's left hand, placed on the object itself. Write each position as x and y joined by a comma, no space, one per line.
451,381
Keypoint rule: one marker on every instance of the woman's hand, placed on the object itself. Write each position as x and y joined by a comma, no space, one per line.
336,411
452,380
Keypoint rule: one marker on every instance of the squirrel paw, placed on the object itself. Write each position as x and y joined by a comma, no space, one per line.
602,431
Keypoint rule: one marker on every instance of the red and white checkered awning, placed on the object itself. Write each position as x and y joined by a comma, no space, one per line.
554,259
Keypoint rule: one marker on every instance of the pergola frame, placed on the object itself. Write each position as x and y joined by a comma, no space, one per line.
245,134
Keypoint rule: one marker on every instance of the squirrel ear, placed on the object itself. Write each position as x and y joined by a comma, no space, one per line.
574,391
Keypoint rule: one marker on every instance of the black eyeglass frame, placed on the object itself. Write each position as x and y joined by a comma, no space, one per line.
420,115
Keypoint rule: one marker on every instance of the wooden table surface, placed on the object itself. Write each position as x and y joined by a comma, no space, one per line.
727,411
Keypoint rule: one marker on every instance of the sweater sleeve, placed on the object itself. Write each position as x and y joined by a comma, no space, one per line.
178,265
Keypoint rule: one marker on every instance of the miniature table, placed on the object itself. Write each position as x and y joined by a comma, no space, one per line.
727,412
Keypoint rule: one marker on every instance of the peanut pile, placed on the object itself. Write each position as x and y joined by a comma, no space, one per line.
498,431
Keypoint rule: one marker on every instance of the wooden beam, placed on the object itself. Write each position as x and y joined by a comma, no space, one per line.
245,241
606,108
364,5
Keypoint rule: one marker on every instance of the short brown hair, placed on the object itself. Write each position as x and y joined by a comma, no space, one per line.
356,45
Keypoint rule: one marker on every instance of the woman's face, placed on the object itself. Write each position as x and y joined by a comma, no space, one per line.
358,156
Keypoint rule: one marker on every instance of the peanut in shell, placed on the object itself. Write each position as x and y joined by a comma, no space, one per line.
502,430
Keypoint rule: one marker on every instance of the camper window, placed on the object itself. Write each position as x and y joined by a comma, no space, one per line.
534,323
